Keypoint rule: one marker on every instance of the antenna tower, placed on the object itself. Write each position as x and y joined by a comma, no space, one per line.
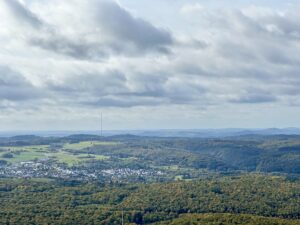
101,125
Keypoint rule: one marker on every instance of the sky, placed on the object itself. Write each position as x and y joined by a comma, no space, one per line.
159,64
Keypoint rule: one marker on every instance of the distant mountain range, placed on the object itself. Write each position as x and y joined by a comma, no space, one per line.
213,133
202,133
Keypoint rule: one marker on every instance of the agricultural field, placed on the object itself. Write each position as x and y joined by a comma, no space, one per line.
87,144
18,154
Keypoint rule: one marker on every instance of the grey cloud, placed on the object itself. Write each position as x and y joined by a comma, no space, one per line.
255,96
115,89
76,49
237,51
246,37
113,30
107,89
121,25
23,14
280,56
280,25
185,91
14,87
121,102
91,83
193,69
148,84
197,44
254,99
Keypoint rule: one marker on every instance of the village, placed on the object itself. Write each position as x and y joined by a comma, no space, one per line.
48,169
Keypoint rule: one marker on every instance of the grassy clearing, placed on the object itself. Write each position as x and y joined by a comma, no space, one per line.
179,177
169,168
25,157
87,144
70,159
31,153
61,157
25,153
129,159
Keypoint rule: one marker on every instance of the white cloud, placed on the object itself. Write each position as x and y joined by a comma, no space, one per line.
96,55
97,29
191,8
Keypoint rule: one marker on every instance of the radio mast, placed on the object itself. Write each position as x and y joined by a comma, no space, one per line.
101,124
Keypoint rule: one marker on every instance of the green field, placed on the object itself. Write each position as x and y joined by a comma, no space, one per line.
25,156
70,159
34,152
171,167
87,144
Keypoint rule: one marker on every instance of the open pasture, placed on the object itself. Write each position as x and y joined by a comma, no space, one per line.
87,144
37,152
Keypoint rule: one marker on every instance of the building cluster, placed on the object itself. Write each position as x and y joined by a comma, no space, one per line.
48,169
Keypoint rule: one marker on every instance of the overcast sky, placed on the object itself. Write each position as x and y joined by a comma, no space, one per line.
149,64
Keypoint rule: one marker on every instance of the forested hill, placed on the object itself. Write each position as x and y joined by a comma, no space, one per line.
269,200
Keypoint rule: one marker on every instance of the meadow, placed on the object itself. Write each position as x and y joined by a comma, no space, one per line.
65,153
